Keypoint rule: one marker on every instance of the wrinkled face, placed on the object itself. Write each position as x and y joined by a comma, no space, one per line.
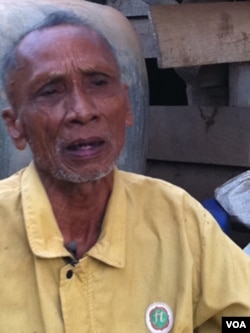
71,107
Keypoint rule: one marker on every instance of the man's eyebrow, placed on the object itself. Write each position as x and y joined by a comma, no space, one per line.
97,70
40,80
93,75
56,77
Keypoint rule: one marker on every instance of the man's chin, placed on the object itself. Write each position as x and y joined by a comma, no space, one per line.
77,178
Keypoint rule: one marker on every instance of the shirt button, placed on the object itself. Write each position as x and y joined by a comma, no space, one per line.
69,274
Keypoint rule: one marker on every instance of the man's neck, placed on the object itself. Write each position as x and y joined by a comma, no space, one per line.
79,209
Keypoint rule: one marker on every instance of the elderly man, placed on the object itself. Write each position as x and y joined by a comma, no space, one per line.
86,247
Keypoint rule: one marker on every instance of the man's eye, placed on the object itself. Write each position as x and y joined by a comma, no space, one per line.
48,92
51,89
99,82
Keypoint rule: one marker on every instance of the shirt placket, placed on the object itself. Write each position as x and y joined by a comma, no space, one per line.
76,297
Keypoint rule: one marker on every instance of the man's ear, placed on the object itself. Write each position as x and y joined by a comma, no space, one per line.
14,127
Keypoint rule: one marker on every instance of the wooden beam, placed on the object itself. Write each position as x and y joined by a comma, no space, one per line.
210,135
202,33
200,180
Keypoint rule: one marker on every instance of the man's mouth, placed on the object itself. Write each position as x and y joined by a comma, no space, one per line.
85,147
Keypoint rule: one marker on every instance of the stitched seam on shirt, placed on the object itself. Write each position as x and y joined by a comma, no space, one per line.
202,253
197,262
91,298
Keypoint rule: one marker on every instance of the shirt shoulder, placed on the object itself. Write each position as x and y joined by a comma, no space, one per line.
10,185
10,197
168,210
154,189
139,180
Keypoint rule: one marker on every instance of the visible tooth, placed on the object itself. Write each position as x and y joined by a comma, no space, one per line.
86,147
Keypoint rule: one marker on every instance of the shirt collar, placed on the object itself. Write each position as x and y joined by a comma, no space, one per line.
45,237
111,246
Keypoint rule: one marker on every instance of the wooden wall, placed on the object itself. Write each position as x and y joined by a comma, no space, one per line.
198,148
200,145
206,142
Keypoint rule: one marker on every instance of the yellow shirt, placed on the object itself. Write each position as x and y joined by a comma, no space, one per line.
157,245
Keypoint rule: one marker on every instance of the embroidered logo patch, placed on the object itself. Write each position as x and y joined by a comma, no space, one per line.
159,318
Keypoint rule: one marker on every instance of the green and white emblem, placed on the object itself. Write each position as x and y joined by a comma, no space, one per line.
159,318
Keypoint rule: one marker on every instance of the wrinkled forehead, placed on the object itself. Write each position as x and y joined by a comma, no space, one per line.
63,39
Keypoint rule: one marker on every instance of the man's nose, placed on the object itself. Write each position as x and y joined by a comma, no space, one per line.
81,108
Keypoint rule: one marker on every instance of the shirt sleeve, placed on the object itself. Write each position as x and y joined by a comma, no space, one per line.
223,278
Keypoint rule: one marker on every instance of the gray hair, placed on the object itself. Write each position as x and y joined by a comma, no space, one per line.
57,18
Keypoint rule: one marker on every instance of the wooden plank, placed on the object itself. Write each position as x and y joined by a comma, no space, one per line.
210,135
202,33
200,180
